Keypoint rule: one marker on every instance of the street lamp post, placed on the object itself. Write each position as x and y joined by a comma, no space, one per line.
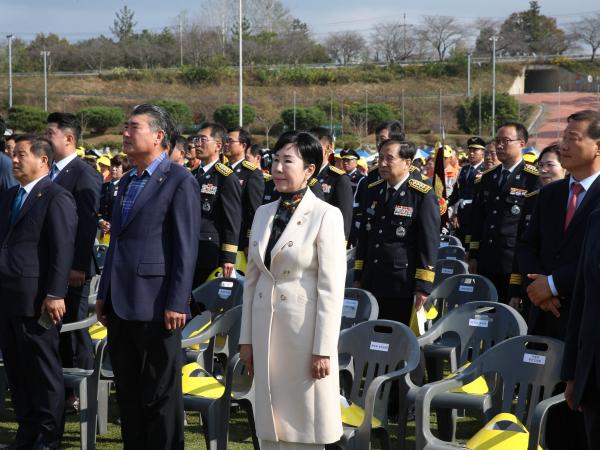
10,84
494,39
241,94
45,54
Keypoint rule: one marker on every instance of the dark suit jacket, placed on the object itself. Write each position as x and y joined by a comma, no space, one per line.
548,249
150,261
338,191
37,250
253,188
583,333
84,183
6,177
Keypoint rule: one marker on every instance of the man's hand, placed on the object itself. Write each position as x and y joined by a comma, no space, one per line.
247,358
174,320
76,278
473,266
104,226
515,302
100,316
454,222
552,306
539,290
228,269
569,396
356,284
319,366
420,299
55,307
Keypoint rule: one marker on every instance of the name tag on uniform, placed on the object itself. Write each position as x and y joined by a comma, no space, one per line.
326,188
518,192
403,211
208,189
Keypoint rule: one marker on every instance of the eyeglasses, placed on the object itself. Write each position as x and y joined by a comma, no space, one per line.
504,141
232,141
203,139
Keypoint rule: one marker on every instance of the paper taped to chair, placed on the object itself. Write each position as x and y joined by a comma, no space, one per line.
480,323
379,346
447,271
463,288
350,308
534,359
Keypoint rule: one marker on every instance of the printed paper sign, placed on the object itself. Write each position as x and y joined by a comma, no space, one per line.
350,308
379,346
227,284
534,359
447,271
480,323
450,257
444,244
463,288
224,293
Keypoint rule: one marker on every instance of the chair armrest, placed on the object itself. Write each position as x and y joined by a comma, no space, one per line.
537,426
233,362
201,337
80,325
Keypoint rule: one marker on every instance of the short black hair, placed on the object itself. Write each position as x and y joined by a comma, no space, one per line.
244,136
66,122
120,161
255,150
160,120
217,131
39,146
322,134
175,140
395,128
552,148
308,146
522,132
406,150
591,116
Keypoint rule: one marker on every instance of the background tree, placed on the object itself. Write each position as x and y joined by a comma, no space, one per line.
393,42
180,113
441,32
101,118
487,28
345,47
305,118
27,118
375,113
228,115
123,24
587,31
467,115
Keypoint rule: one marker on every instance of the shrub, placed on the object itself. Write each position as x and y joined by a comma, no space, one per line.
467,114
228,115
27,118
101,118
179,111
376,113
305,118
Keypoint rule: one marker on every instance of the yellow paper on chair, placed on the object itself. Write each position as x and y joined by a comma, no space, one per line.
476,387
503,432
97,331
353,415
200,386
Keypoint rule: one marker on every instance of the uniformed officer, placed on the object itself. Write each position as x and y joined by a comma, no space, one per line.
462,196
336,186
399,235
250,177
220,197
350,162
497,208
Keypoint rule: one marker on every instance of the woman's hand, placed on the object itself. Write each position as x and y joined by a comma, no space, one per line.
246,357
319,366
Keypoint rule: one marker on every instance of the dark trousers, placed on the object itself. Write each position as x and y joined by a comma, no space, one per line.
591,412
146,360
398,309
501,282
76,348
34,373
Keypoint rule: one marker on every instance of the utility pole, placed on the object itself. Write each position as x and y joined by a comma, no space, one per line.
331,114
10,84
241,94
558,130
479,134
468,75
494,39
45,54
403,122
180,42
441,112
366,116
294,110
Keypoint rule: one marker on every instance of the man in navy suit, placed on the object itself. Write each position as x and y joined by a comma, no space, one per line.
85,184
146,283
37,231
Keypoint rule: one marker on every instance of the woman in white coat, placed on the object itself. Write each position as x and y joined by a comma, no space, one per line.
293,297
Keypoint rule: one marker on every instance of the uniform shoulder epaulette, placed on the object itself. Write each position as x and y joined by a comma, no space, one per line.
249,165
267,177
531,194
480,175
376,183
312,182
412,168
529,168
419,186
223,169
336,170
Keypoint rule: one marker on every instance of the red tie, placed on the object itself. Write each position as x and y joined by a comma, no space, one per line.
576,189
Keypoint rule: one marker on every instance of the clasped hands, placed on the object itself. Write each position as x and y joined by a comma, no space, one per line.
541,296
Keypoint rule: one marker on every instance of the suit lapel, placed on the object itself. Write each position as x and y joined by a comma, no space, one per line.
65,172
35,194
589,203
266,225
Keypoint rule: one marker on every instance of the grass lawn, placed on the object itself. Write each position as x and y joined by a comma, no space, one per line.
239,435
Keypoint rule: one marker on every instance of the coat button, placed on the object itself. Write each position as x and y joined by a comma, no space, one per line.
282,297
260,295
376,245
254,244
375,261
494,212
290,244
380,231
286,272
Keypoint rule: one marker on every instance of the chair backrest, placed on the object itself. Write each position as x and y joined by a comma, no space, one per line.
475,327
445,268
100,256
460,289
452,252
227,324
529,367
219,295
446,239
378,347
350,257
359,306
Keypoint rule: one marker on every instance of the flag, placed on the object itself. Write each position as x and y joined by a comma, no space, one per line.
439,186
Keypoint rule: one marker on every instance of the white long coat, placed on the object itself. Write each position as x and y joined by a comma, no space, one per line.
291,313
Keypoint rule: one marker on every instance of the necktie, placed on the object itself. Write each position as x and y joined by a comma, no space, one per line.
503,177
54,171
390,194
17,203
576,190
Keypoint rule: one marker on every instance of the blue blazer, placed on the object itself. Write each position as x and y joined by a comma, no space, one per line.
150,262
36,251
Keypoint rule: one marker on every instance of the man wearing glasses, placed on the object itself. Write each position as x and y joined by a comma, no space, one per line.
500,195
220,201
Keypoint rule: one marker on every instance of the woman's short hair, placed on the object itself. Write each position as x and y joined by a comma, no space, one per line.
120,161
308,146
552,148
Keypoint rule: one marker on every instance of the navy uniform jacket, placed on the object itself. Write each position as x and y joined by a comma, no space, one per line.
253,188
36,252
84,183
398,240
220,201
496,215
107,199
337,190
464,192
150,261
6,177
546,248
355,178
271,193
583,333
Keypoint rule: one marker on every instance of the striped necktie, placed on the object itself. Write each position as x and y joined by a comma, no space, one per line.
17,203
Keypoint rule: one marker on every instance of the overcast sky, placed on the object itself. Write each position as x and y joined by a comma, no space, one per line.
81,19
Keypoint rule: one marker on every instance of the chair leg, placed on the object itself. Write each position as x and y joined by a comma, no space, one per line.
250,414
3,390
83,415
103,394
446,419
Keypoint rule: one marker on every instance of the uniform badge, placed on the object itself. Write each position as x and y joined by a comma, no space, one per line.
326,188
368,227
518,177
206,207
400,232
210,189
241,182
515,210
518,192
402,193
267,197
403,211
